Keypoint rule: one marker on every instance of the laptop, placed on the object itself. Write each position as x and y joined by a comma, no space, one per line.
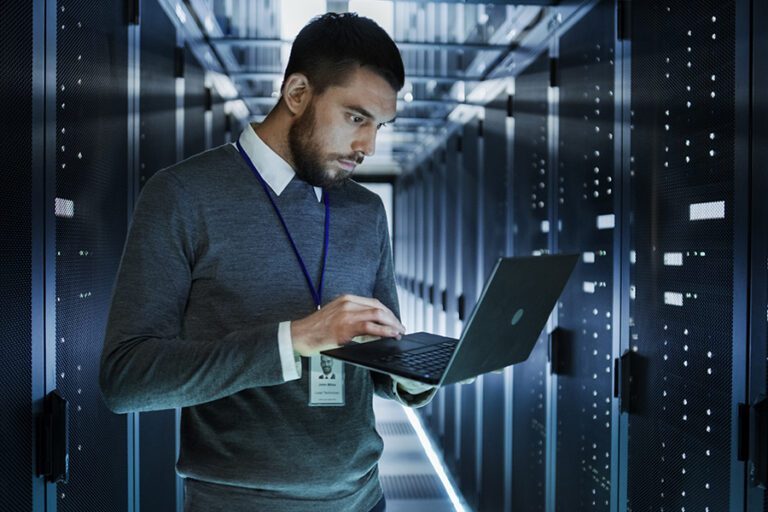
502,329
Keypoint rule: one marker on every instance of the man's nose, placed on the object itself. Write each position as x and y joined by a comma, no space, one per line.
365,143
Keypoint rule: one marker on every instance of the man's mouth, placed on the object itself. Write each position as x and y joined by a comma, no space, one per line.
347,165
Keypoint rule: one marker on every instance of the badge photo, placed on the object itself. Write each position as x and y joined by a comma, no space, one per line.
326,381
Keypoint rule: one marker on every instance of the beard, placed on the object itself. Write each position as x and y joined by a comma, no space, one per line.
312,165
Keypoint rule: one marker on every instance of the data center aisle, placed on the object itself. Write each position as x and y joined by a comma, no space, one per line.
409,481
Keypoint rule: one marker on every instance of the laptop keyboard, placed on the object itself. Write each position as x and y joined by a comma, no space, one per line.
429,362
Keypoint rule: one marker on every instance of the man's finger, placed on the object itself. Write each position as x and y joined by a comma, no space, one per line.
378,317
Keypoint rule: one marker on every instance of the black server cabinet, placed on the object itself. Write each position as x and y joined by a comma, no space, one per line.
438,241
157,144
420,305
194,104
428,273
494,228
20,299
157,149
469,458
427,207
91,221
582,346
450,395
758,468
412,251
530,236
688,275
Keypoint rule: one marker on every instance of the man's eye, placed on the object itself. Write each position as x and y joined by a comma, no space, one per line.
381,125
357,119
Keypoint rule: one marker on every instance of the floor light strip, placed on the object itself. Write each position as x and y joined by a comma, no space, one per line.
434,459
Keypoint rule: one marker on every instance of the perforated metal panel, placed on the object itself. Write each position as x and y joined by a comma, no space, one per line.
157,90
16,262
439,213
494,227
157,429
428,239
453,290
494,194
91,203
586,218
194,105
470,182
682,177
531,189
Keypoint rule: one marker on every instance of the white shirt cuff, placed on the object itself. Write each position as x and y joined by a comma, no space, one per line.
288,361
413,388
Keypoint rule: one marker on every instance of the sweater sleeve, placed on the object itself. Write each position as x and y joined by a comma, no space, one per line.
385,290
146,363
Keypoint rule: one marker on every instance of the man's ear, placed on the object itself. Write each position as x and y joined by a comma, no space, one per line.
297,93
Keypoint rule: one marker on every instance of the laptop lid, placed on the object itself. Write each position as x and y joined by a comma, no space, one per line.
512,311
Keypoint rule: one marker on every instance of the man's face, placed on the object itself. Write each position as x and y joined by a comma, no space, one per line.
338,128
326,364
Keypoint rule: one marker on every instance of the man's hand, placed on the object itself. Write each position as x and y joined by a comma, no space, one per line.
340,321
412,387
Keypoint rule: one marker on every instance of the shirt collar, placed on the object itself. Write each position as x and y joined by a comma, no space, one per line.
275,171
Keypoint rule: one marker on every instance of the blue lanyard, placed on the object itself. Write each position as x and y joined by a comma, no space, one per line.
316,294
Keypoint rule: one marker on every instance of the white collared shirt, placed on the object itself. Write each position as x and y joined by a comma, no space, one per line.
276,172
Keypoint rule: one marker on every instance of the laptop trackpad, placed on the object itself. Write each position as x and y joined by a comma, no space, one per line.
387,346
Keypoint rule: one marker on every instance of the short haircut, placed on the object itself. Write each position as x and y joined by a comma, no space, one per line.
333,45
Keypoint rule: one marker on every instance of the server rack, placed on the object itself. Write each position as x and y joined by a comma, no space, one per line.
529,233
605,412
91,221
157,443
583,186
22,267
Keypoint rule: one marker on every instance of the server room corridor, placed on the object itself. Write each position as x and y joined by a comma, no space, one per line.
169,276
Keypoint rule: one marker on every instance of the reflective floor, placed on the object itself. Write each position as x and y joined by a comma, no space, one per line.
410,482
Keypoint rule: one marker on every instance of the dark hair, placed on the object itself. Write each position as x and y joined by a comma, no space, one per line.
332,45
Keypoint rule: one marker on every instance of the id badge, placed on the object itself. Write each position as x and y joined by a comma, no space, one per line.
326,381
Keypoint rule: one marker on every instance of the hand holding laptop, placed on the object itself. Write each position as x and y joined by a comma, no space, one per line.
336,323
502,329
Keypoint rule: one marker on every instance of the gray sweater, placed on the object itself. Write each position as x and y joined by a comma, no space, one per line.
206,276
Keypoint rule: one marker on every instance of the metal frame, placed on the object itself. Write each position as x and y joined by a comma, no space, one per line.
741,246
509,372
755,497
43,342
256,75
255,42
133,158
492,2
622,155
49,26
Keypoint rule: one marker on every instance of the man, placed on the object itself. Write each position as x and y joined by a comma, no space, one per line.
242,264
326,363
